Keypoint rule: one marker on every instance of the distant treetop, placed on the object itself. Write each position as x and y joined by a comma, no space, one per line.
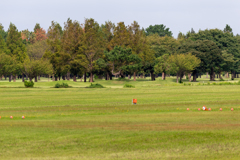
161,30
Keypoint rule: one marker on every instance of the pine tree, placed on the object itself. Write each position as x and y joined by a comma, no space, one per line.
54,51
16,48
92,46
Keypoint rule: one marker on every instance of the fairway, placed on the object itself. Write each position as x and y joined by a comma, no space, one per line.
102,123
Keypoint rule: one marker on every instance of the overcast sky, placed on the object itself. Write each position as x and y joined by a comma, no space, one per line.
178,15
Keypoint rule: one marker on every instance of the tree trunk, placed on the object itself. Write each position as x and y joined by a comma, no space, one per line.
14,78
39,77
10,78
152,76
36,79
91,77
233,75
194,76
0,77
81,79
74,78
5,77
141,76
30,79
181,78
56,78
189,77
85,77
177,77
220,76
207,75
137,76
53,78
22,77
68,76
134,76
212,75
129,76
63,77
163,76
26,77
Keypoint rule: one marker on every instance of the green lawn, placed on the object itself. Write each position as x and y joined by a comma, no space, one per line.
88,123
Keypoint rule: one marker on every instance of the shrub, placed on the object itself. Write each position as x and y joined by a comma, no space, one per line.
28,84
221,79
63,85
97,85
128,86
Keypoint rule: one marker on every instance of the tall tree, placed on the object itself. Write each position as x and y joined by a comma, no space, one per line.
92,45
54,51
141,47
37,26
107,30
70,44
16,48
121,36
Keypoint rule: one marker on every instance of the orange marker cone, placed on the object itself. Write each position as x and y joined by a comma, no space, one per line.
188,109
23,117
220,109
199,109
0,117
11,117
231,109
209,109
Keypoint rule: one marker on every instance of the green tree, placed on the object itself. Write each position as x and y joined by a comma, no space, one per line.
141,47
70,44
92,46
54,51
15,46
37,26
3,33
162,65
161,30
181,63
226,41
122,60
227,29
121,36
32,68
209,54
107,30
37,50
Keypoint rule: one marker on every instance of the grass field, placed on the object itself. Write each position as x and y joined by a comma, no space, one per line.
89,123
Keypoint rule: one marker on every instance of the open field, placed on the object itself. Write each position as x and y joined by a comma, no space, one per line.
84,123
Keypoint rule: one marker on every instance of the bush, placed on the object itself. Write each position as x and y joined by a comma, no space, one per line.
97,85
128,86
63,85
221,79
28,84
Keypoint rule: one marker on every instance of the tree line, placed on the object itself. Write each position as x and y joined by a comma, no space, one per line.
107,50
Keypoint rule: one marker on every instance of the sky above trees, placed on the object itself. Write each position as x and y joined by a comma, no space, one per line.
178,15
